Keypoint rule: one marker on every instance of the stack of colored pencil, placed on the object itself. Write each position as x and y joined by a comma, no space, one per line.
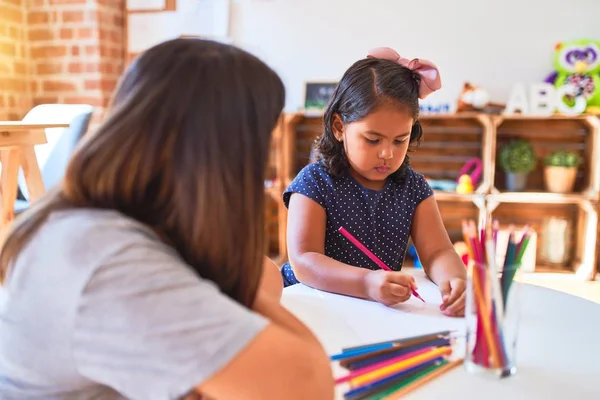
388,370
490,294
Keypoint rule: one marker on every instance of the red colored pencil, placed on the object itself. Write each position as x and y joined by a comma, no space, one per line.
372,256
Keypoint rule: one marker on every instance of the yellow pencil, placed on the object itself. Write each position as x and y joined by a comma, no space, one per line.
418,383
400,365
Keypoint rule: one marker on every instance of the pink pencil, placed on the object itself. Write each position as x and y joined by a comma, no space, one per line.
372,256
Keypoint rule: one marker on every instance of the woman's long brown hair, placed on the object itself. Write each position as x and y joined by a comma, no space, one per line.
184,150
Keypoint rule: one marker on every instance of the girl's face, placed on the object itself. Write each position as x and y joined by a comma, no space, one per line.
376,145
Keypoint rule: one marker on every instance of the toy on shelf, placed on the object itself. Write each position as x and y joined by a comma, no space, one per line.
444,185
577,64
473,170
465,186
476,99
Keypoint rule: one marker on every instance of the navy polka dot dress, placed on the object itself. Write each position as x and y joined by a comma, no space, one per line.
379,219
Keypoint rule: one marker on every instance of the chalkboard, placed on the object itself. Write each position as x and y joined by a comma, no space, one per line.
318,94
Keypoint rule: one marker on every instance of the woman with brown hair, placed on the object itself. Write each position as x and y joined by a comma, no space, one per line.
141,275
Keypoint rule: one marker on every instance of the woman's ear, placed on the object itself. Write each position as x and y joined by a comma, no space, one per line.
337,127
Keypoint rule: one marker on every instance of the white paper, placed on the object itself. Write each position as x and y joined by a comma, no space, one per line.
204,18
144,5
147,30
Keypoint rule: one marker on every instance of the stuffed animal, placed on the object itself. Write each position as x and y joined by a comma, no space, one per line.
578,63
475,98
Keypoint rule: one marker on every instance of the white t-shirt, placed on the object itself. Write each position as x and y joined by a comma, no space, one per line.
96,307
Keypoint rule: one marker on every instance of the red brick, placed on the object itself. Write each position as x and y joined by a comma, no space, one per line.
38,17
66,33
14,33
93,101
75,68
48,68
47,51
52,86
40,34
85,33
108,85
20,67
92,67
91,50
11,13
61,2
72,16
45,100
8,49
92,84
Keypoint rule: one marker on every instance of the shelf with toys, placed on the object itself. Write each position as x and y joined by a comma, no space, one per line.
471,144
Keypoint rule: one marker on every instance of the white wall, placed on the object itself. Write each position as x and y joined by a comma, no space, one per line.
487,42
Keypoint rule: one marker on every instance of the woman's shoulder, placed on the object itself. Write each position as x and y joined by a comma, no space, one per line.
86,237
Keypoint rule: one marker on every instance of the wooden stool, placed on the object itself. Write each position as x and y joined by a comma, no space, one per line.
17,141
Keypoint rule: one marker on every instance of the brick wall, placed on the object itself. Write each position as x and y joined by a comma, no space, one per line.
15,95
76,50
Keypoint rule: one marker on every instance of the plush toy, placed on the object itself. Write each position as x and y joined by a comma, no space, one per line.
578,63
475,98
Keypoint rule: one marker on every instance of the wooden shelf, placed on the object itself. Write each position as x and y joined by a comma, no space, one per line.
452,196
536,198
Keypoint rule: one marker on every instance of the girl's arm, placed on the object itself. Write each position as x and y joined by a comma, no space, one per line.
439,258
271,282
306,247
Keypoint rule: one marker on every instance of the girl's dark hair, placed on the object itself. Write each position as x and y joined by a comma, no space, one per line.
368,84
183,150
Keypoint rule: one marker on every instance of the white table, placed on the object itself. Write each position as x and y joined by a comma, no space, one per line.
558,351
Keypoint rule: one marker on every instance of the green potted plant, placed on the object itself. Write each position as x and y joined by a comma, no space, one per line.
560,171
518,159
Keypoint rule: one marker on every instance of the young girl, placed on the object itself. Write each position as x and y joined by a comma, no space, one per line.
363,182
141,275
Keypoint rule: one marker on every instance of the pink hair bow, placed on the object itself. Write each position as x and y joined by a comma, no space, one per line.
428,71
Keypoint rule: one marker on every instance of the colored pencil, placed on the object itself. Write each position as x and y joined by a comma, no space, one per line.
372,358
358,352
404,340
421,380
372,256
362,392
361,371
400,366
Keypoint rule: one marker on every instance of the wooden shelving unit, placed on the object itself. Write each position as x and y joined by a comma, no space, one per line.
451,140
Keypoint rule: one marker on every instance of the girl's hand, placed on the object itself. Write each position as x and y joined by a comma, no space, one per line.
453,297
389,287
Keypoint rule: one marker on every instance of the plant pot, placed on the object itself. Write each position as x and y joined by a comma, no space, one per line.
560,179
516,181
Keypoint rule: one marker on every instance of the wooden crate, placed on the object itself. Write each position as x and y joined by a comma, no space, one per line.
547,135
448,143
519,216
